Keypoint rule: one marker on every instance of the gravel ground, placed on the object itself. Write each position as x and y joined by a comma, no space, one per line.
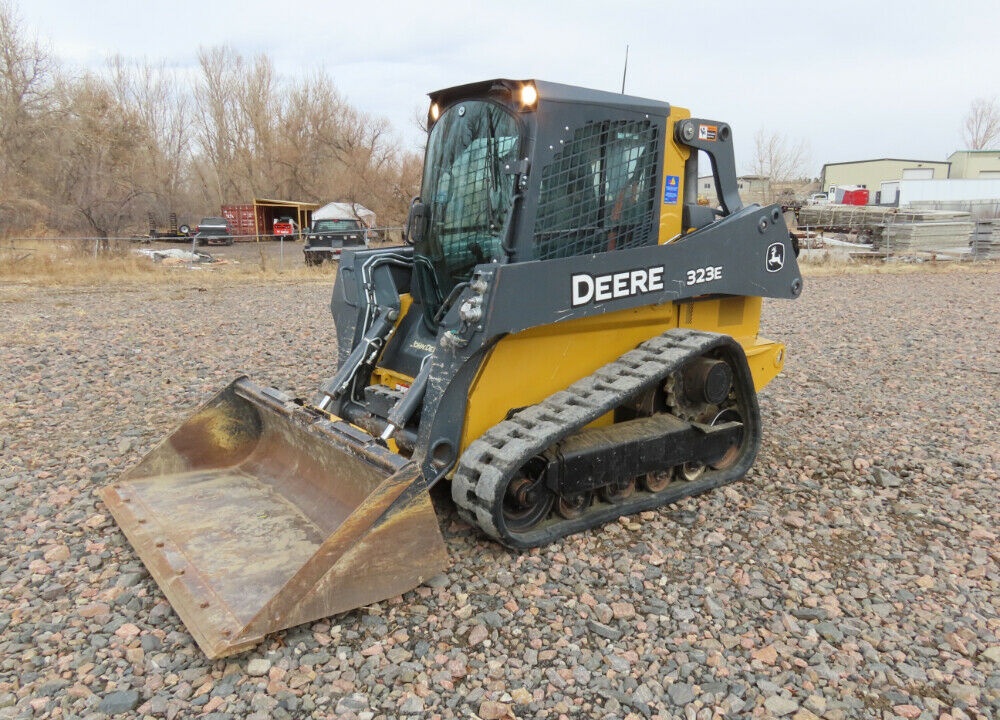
854,574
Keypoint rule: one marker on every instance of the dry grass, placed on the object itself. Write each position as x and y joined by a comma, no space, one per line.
825,263
30,264
69,263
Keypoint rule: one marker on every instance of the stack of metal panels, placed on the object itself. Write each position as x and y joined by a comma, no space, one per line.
925,236
986,239
844,217
867,217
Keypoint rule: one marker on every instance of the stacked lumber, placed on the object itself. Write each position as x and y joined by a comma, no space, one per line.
860,217
845,217
893,230
986,239
925,236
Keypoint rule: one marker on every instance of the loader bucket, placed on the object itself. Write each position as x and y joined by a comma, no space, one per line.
258,514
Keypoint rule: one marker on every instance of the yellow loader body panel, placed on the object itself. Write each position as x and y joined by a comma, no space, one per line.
576,348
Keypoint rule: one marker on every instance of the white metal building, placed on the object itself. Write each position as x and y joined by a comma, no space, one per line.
871,174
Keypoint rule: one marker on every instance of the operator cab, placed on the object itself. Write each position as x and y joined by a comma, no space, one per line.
527,170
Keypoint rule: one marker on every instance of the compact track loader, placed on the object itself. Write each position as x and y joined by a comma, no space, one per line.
567,337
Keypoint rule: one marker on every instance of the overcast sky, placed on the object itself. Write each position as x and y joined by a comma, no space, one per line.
854,79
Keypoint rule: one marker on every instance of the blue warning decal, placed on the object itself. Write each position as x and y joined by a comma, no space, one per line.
670,187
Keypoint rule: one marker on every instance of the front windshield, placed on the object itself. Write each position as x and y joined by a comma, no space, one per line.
468,193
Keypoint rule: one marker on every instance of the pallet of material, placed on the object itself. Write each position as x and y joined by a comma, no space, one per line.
986,239
861,217
925,236
867,255
840,216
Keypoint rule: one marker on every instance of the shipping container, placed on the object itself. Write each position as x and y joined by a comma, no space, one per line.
255,221
241,218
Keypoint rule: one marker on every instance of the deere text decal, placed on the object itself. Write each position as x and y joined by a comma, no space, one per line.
589,288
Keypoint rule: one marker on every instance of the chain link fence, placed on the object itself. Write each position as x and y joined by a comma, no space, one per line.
192,251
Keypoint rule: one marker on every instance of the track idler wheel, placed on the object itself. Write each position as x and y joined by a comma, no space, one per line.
733,453
526,501
656,481
617,491
689,472
574,505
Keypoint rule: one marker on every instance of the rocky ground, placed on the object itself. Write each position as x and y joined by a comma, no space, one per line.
854,574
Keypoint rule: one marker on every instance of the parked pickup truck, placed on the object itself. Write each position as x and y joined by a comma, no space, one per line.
214,230
327,237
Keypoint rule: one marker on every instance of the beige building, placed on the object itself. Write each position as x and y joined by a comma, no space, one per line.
753,189
975,164
757,189
872,173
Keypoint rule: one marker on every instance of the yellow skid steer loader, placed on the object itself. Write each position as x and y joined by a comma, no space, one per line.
567,337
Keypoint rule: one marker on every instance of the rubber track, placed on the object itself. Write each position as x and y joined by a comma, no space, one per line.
491,460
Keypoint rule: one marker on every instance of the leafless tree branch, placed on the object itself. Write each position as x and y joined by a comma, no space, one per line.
981,130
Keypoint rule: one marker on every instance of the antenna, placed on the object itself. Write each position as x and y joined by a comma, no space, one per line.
625,71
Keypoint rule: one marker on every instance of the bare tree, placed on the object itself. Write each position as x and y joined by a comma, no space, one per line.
328,149
981,130
100,151
778,159
26,80
218,124
310,144
152,95
420,120
259,100
102,171
239,112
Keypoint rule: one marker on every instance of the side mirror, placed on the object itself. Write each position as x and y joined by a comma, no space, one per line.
416,222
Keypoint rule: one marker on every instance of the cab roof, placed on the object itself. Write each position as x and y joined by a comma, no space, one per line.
551,92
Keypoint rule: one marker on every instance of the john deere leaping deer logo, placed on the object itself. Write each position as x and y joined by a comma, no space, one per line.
775,257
